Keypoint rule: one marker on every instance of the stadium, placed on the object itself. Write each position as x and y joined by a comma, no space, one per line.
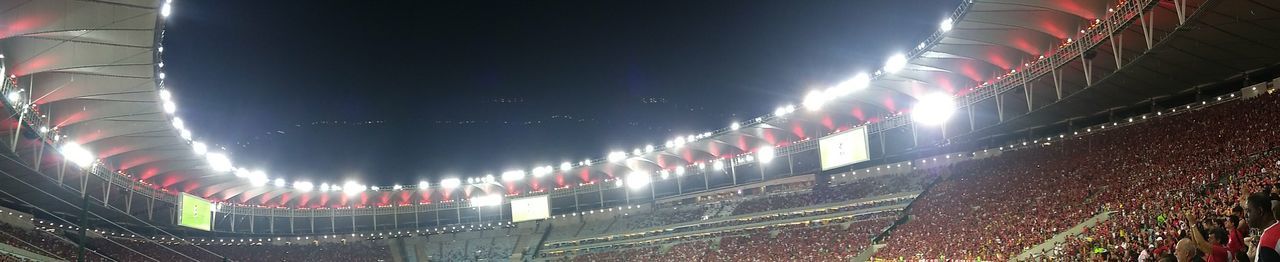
1063,130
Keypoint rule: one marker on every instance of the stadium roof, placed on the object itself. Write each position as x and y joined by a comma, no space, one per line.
95,69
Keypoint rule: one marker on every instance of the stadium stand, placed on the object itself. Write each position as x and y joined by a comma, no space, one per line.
1148,174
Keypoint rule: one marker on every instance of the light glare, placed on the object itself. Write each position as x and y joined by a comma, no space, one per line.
933,109
895,63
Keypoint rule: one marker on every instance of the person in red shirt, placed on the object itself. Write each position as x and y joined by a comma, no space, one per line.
1235,237
1215,248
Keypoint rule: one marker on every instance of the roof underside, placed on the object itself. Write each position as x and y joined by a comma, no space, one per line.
91,67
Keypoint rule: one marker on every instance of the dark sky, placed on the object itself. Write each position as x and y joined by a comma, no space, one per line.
398,91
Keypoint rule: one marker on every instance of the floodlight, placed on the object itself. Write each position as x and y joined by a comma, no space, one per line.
765,154
352,188
566,166
516,175
679,170
638,180
537,172
165,94
77,154
165,11
450,183
169,107
814,100
218,162
423,185
397,187
933,109
199,148
178,124
279,182
735,126
860,81
895,63
242,172
946,25
717,165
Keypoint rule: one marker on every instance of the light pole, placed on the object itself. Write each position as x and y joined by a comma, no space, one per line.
83,159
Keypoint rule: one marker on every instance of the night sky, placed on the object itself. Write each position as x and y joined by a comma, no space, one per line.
398,91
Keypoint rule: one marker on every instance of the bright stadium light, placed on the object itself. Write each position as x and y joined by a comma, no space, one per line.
423,185
637,152
765,154
679,141
780,111
185,134
14,96
259,178
638,180
616,156
352,188
324,187
717,165
946,25
166,10
165,94
450,183
77,154
516,175
397,187
218,162
279,182
373,188
565,166
858,82
177,123
895,63
679,170
199,148
814,100
242,172
735,126
170,107
648,148
933,109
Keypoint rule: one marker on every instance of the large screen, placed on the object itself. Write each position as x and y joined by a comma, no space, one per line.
196,212
844,149
530,208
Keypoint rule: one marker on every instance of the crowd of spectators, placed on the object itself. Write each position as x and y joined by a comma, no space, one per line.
1147,175
6,257
836,240
48,243
124,249
41,242
861,188
664,216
